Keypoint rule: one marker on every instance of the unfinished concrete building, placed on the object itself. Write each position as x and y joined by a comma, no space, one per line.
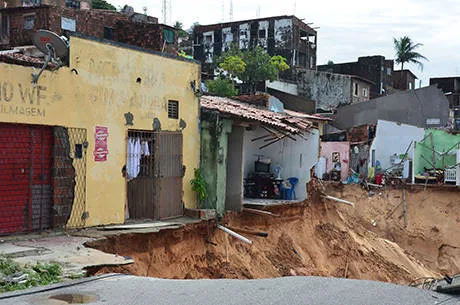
375,68
287,36
451,88
404,80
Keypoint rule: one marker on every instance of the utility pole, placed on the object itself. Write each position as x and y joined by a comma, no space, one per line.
231,10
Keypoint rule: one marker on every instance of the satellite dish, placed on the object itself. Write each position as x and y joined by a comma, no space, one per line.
54,47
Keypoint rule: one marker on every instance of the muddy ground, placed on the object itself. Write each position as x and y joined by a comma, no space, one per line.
318,237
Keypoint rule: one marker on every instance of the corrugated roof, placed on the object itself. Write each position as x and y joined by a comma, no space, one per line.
232,108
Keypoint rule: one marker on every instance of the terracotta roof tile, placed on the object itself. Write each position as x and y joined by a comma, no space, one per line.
313,116
232,108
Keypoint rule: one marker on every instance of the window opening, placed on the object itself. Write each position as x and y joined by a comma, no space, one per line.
29,22
356,89
173,109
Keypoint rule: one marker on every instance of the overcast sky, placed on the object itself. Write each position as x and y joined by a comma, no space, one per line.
347,29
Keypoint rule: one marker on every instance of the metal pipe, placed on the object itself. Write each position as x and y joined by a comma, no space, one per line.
260,212
339,200
234,234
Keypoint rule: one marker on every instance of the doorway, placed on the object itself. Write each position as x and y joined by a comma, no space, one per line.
154,171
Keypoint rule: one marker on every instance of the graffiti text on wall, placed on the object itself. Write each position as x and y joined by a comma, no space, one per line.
22,100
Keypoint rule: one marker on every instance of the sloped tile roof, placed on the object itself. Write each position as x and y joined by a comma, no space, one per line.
231,108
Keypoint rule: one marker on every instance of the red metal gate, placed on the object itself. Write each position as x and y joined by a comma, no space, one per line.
25,178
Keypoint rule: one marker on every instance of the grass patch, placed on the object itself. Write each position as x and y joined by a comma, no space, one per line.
16,277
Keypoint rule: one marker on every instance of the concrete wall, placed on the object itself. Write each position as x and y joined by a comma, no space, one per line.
412,107
374,68
235,162
443,141
296,158
282,86
328,148
403,80
363,91
393,138
103,83
327,89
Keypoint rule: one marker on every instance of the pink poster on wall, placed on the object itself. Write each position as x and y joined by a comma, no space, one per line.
101,150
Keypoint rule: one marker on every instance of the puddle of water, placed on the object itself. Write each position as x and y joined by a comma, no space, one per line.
74,298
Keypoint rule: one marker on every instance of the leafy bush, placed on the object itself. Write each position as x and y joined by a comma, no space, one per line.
221,87
199,185
15,277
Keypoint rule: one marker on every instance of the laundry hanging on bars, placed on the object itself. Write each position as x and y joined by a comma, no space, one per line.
136,150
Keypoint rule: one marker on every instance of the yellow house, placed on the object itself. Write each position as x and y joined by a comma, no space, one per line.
114,132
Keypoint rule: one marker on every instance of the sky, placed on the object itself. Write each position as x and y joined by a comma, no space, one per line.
346,29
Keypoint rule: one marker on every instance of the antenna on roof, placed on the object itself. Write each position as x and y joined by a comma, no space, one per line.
295,7
258,11
54,47
223,11
169,12
231,10
164,11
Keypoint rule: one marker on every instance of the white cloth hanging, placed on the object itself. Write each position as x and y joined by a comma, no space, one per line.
134,158
145,151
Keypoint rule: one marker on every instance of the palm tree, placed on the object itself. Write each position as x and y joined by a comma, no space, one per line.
405,50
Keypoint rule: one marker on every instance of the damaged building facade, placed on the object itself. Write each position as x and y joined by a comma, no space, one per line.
287,36
331,90
123,138
253,156
374,68
20,23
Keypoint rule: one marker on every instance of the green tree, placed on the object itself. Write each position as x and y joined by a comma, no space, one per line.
259,66
405,50
233,65
103,5
221,87
279,63
179,26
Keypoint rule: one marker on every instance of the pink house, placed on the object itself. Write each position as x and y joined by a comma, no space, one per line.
337,156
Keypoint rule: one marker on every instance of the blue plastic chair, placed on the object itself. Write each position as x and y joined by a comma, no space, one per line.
289,193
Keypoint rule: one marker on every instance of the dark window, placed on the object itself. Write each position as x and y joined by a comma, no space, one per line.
29,22
315,124
108,33
72,4
262,33
169,36
5,27
173,109
78,151
356,89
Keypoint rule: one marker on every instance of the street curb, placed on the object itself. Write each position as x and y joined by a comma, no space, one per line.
18,293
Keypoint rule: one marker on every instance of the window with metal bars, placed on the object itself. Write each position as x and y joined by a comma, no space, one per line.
173,109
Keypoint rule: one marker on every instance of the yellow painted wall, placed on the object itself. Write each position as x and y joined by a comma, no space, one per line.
101,89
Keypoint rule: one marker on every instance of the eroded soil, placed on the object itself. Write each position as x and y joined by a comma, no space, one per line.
318,237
